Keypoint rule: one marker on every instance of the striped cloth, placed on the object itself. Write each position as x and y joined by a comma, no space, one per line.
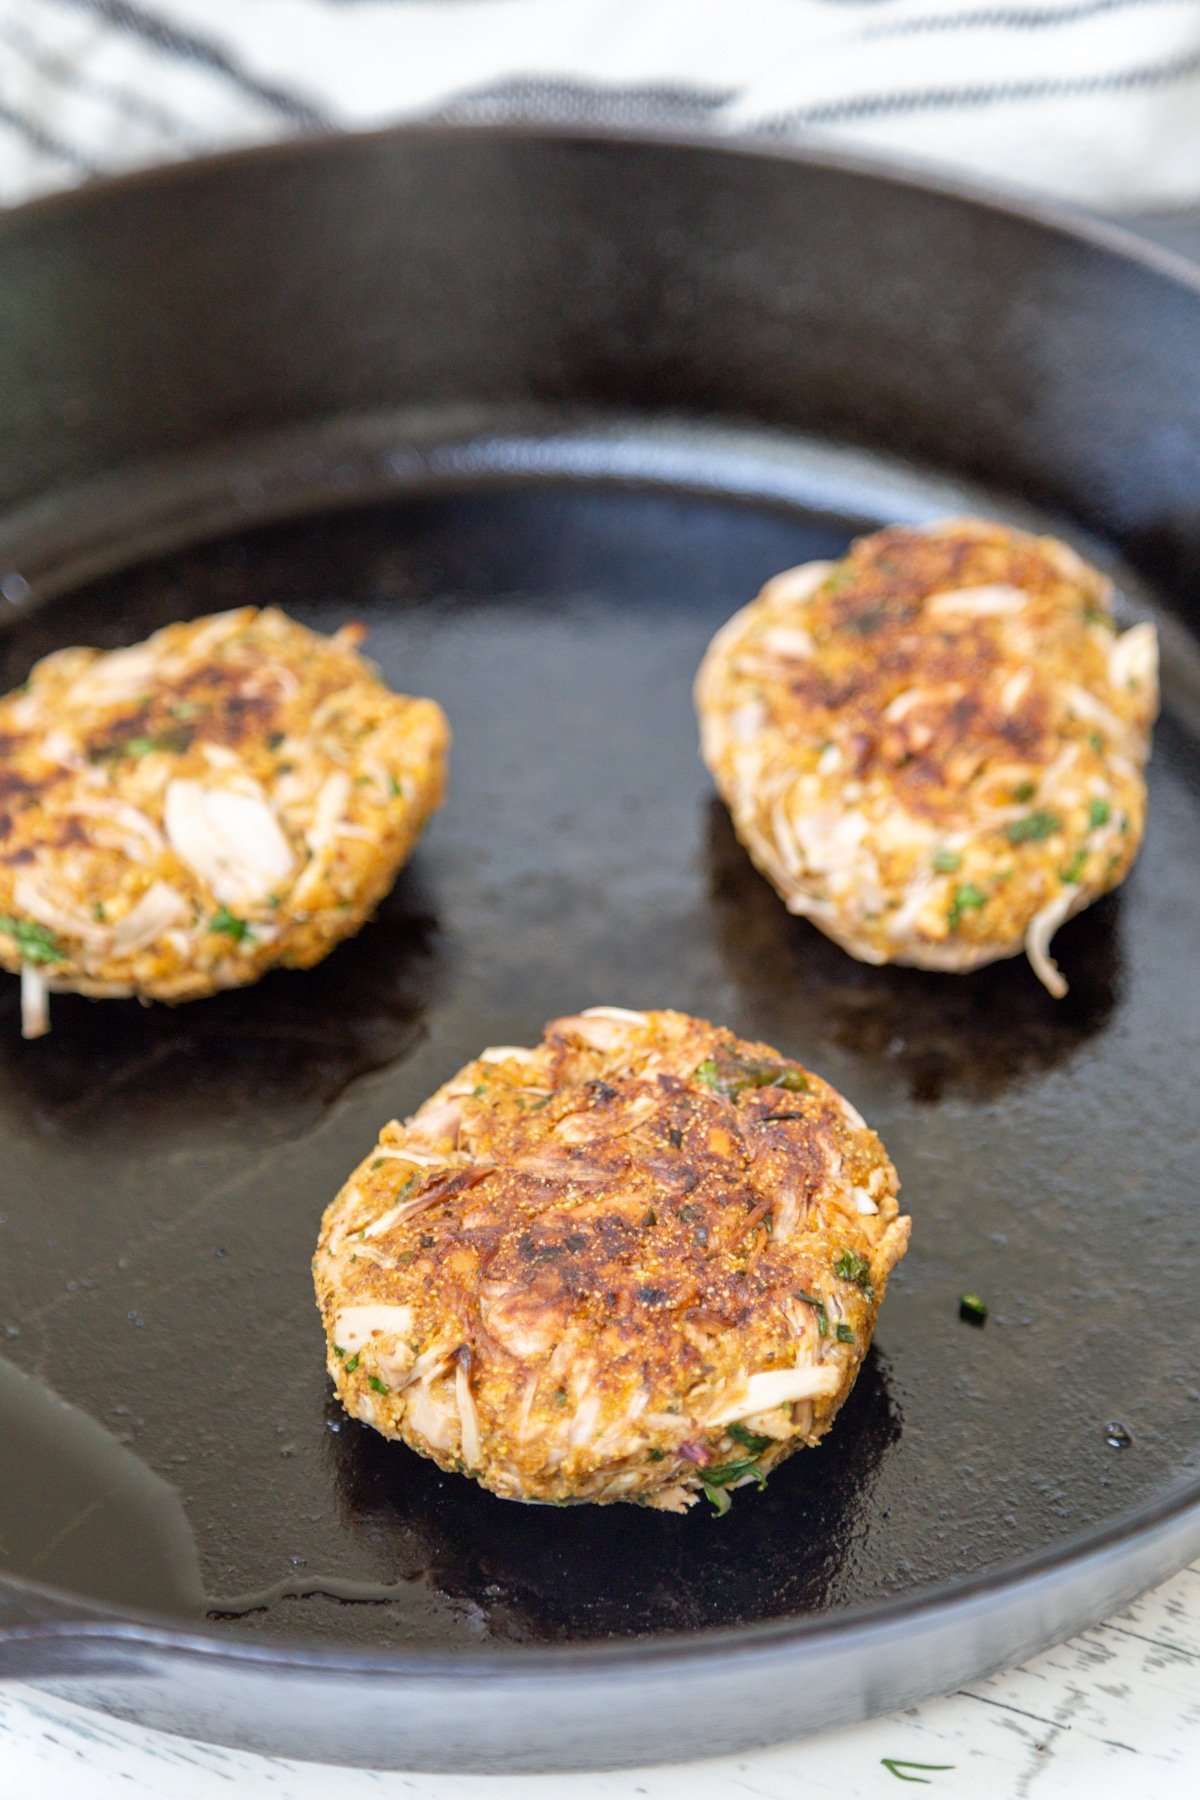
1096,101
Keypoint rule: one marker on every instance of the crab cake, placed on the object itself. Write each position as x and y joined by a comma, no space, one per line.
642,1261
182,815
935,748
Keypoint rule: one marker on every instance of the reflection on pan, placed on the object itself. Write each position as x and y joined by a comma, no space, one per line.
939,1030
557,1573
256,1062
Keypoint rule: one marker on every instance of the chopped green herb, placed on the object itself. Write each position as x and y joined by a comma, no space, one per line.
655,1454
840,578
351,1364
1099,813
477,1093
1071,871
338,1351
405,1189
229,923
818,1307
98,911
273,900
894,1764
1033,827
380,1387
274,739
717,1477
731,1076
850,1266
36,944
395,787
972,1309
560,1396
1096,741
1023,791
844,1334
966,898
749,1440
946,861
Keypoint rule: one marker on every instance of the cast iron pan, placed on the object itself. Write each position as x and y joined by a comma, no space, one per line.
542,411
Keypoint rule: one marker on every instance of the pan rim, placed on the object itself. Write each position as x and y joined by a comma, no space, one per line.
87,1621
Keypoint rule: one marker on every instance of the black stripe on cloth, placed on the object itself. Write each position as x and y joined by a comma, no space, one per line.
572,102
873,106
1010,18
189,46
45,141
133,106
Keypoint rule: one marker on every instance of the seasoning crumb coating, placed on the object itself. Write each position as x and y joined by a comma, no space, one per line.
640,1262
181,816
934,748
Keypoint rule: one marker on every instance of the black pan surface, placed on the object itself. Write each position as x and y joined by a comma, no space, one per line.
163,1171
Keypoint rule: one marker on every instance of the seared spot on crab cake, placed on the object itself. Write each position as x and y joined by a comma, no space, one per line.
182,815
934,749
642,1261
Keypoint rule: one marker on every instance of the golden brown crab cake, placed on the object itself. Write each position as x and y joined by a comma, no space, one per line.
934,749
642,1261
182,815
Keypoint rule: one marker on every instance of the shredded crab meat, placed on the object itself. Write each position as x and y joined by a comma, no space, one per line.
467,1415
1133,658
29,898
1042,928
327,825
355,1326
159,908
780,1387
35,1003
794,586
230,839
997,600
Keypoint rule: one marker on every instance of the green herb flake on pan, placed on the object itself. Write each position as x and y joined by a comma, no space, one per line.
972,1309
848,1265
844,1334
966,898
945,862
35,942
351,1363
380,1387
1034,827
1099,813
230,925
1072,870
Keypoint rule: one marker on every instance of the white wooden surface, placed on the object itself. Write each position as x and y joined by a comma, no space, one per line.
1114,1712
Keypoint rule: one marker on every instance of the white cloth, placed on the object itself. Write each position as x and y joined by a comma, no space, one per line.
1095,101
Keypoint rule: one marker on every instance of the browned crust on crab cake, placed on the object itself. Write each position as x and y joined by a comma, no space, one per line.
641,1261
935,747
182,815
